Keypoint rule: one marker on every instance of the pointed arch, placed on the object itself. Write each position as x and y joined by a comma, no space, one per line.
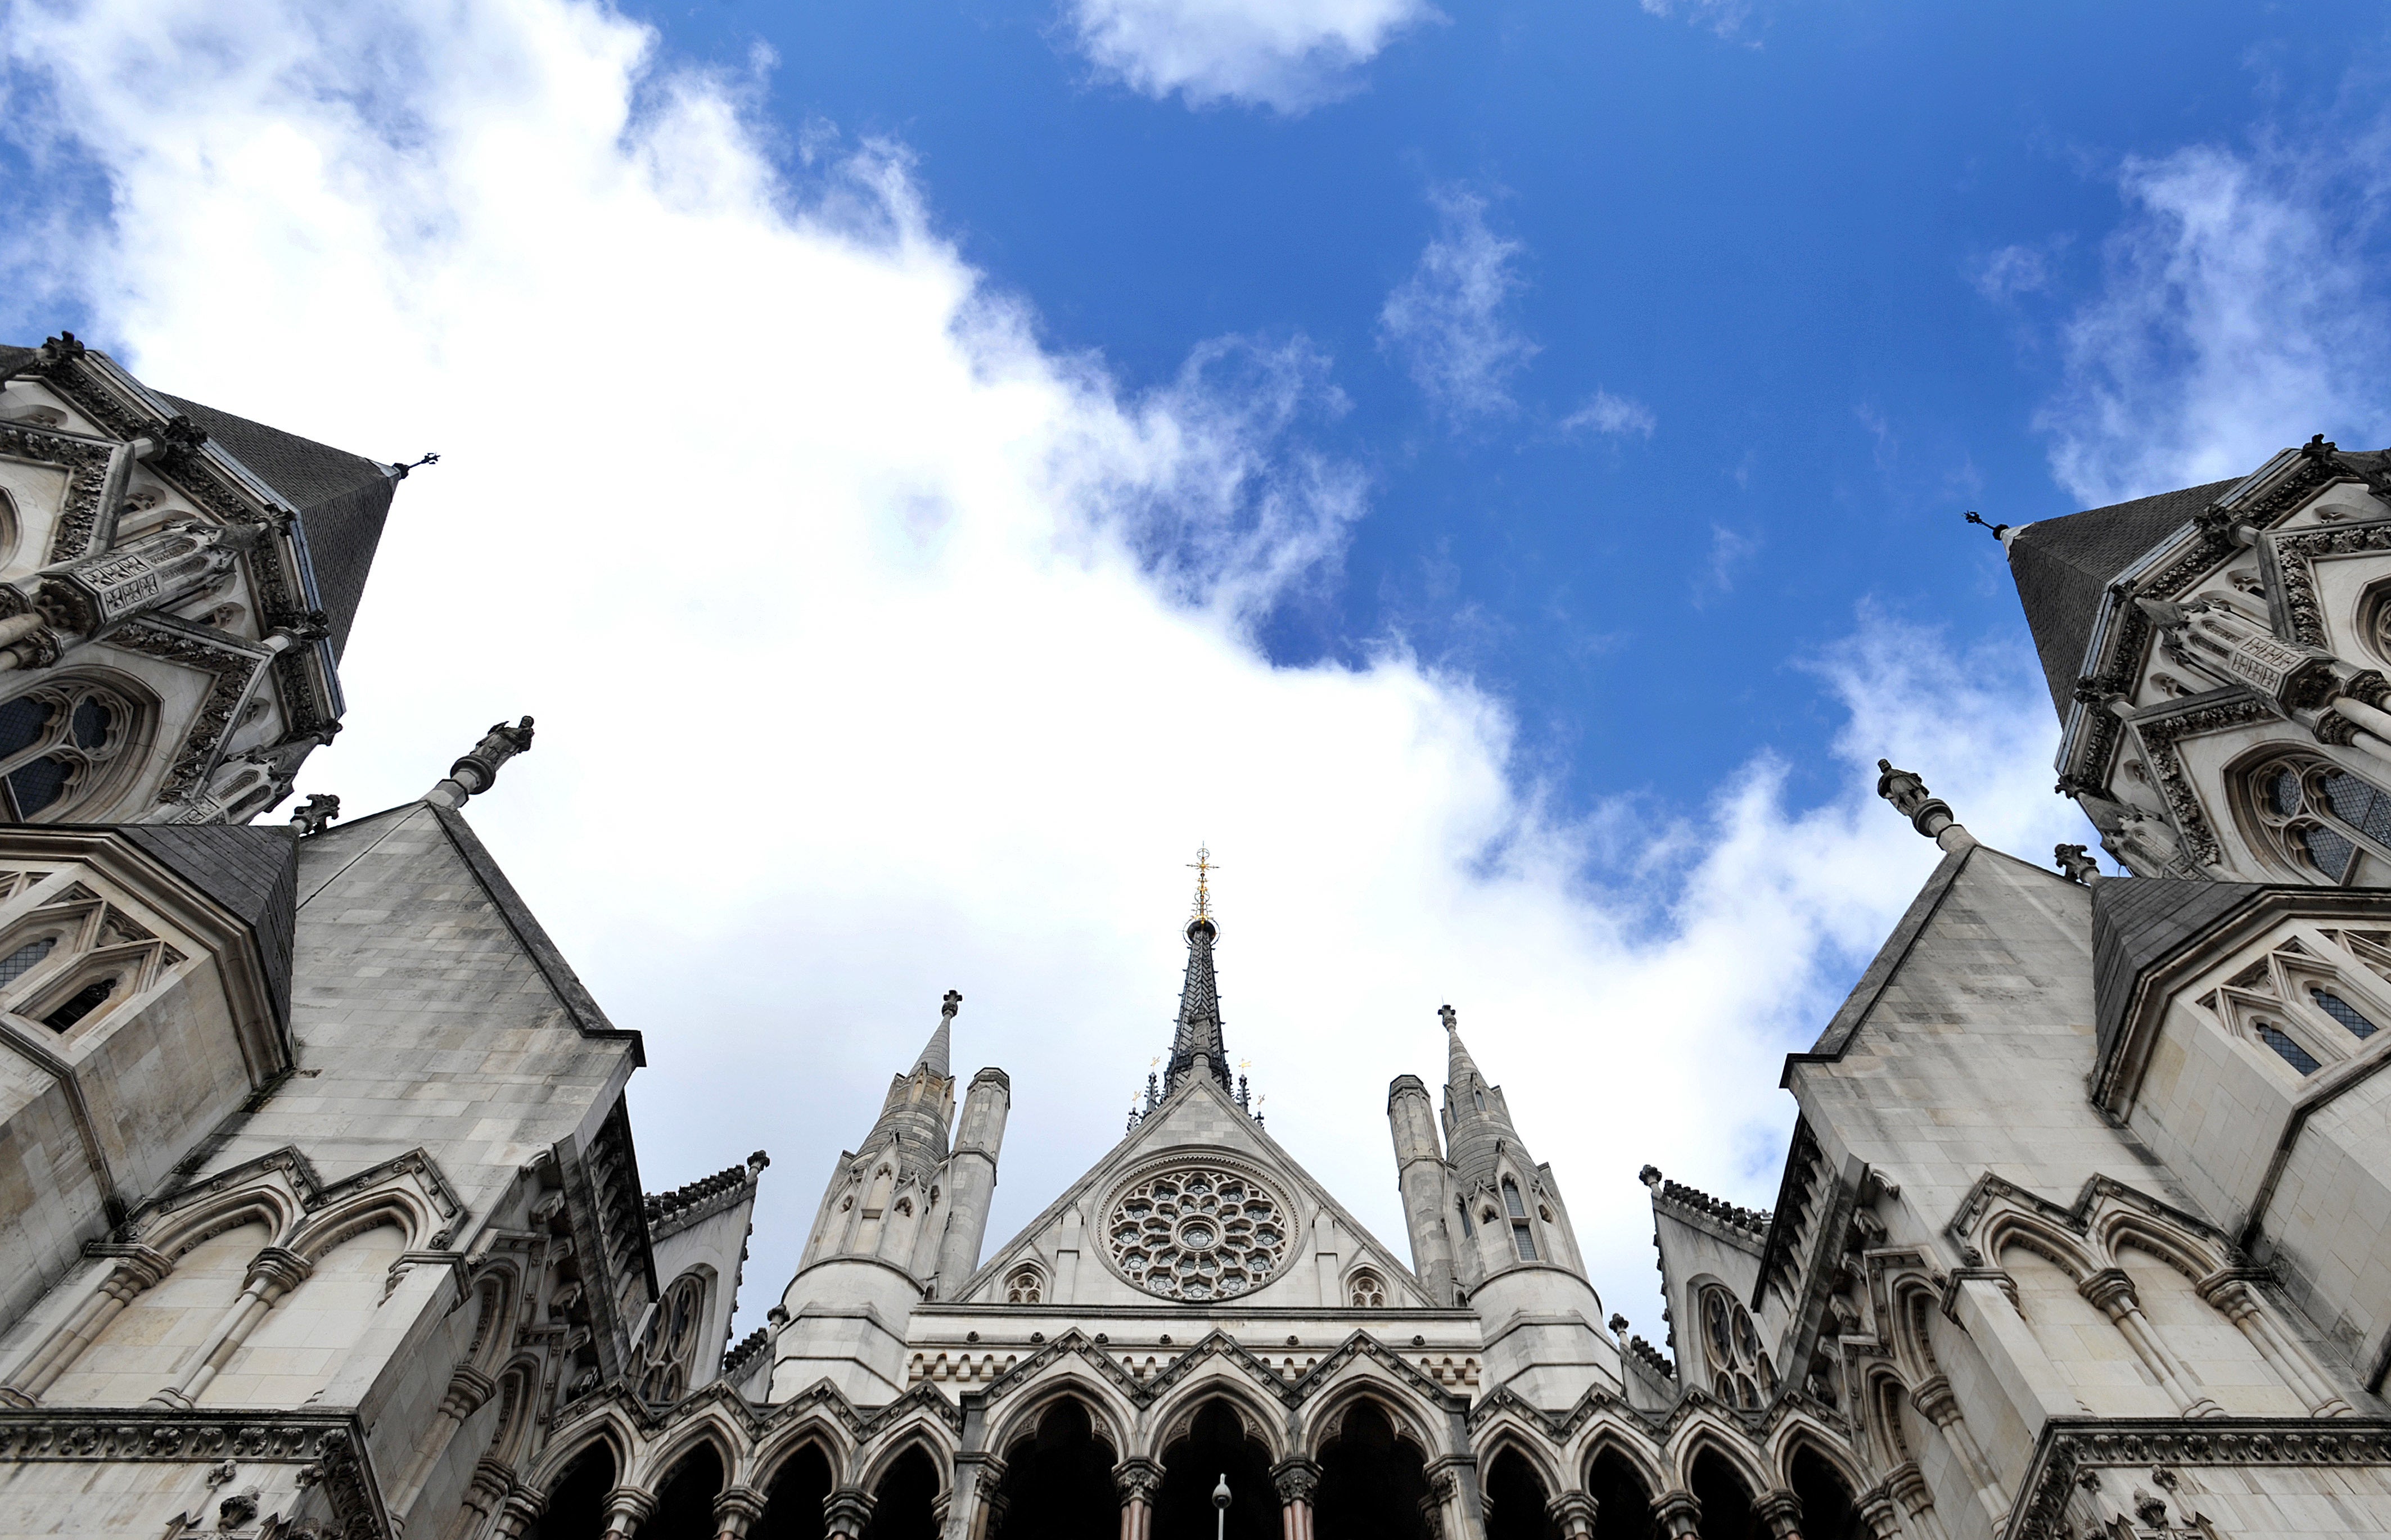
813,1430
2194,1255
1509,1436
705,1422
266,1203
1363,1379
1799,1432
1609,1435
604,1424
1218,1378
1704,1431
922,1431
2007,1224
1885,1394
399,1206
1066,1379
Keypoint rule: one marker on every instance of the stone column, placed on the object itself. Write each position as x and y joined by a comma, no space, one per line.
1677,1516
1780,1513
518,1513
1879,1514
1572,1514
134,1271
1935,1399
1137,1481
1296,1480
492,1480
848,1510
626,1508
2112,1291
469,1388
2239,1302
734,1510
1905,1484
274,1274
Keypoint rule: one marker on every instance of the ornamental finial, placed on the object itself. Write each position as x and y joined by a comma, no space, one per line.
1203,866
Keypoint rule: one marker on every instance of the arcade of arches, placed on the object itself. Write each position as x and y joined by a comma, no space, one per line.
1062,1479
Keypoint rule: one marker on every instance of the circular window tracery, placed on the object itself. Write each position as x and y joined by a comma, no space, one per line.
1741,1372
1197,1233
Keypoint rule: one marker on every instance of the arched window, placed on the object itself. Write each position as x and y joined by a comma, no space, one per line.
2326,1001
1366,1291
54,740
1479,1094
1523,1237
1738,1365
1024,1287
2320,817
2289,1047
670,1344
1461,1205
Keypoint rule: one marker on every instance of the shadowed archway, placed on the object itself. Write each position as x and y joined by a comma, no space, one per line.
905,1503
1058,1480
1726,1501
1371,1483
685,1498
1516,1499
1828,1511
1216,1445
1622,1503
576,1499
793,1500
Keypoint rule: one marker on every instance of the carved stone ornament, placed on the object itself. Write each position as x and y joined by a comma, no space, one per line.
2069,1454
1197,1232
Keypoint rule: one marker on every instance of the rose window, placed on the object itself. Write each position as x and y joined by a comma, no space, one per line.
1199,1234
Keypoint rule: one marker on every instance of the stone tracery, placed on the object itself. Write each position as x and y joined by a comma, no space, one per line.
1197,1232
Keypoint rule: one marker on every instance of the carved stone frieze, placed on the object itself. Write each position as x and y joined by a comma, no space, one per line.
233,668
2296,556
2068,1451
88,468
2159,736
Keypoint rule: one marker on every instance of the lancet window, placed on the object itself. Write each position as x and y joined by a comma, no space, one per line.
1523,1237
57,740
2320,817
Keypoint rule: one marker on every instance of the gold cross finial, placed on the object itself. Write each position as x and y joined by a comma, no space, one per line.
1203,866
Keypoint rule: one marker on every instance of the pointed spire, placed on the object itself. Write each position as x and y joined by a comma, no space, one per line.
934,1053
1197,1041
1460,1070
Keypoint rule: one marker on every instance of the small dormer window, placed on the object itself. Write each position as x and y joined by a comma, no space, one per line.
2326,1001
22,961
1480,1092
2288,1048
70,1013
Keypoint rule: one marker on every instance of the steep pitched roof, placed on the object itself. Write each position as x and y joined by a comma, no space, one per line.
2140,921
343,501
252,870
2062,567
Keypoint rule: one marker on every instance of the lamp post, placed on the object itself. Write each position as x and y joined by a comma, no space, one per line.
1220,1508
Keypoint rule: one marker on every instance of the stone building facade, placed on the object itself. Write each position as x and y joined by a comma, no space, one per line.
320,1213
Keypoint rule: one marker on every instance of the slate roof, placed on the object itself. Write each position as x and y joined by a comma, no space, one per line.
2062,567
252,870
342,500
2138,923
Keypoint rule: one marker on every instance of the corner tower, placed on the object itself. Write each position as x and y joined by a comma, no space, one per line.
176,583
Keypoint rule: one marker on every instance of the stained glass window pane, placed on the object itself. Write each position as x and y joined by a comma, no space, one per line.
89,999
2285,791
2292,1054
2358,804
92,721
2329,1002
2329,851
19,962
21,722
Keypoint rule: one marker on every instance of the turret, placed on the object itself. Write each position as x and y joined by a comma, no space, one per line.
875,1238
1425,1184
1518,1262
971,1177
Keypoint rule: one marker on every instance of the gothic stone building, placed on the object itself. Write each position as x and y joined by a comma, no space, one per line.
320,1213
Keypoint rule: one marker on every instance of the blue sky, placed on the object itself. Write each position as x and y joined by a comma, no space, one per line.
1777,239
1495,476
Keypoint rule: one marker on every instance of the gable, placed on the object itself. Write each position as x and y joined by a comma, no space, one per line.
1135,1230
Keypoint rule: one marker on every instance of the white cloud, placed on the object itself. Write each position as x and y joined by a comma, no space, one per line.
2235,316
1446,322
1725,19
877,652
1289,55
1613,416
2012,271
